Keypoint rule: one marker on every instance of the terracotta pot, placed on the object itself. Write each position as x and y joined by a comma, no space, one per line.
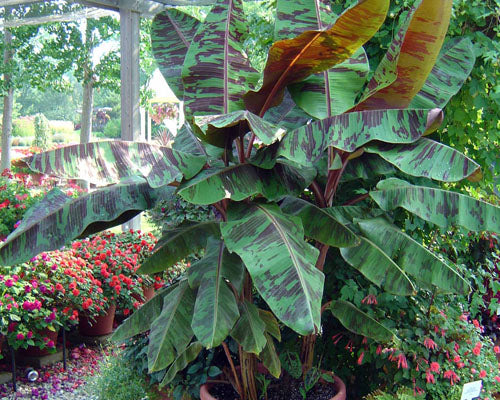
103,324
338,384
147,293
34,351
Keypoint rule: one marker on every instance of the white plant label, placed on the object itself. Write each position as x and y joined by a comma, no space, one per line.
471,390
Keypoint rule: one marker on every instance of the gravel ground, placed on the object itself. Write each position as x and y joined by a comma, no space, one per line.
54,383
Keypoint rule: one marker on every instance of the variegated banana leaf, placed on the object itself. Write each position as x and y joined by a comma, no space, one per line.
187,2
187,142
58,218
334,91
280,262
347,214
219,130
216,73
318,224
314,51
272,326
250,328
181,362
215,310
177,244
171,331
287,115
410,58
366,167
102,163
171,34
429,159
441,207
378,267
270,358
359,322
453,66
348,132
140,322
413,257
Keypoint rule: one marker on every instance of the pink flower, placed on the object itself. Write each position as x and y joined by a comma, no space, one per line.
434,366
50,343
429,377
497,378
482,374
496,349
370,299
29,335
402,361
360,359
476,323
452,376
19,336
9,283
430,344
476,350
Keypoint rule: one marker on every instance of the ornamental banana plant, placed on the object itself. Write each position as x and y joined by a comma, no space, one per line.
295,165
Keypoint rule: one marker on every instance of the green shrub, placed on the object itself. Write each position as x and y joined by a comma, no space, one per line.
43,133
23,127
62,127
113,129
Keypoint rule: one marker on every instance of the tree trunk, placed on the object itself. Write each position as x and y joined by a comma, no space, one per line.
8,104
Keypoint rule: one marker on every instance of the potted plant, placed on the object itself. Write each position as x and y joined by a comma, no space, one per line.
273,160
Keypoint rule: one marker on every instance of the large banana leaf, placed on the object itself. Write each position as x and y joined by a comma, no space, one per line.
359,322
453,66
410,58
58,218
318,224
350,131
171,35
429,159
366,167
177,244
219,129
315,51
216,73
444,208
378,267
287,115
140,322
171,331
413,257
181,362
280,262
272,325
102,163
216,310
249,330
270,357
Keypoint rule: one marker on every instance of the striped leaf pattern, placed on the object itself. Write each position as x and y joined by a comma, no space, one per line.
171,35
178,243
314,51
270,358
102,163
171,331
250,328
181,362
215,310
350,131
441,207
453,66
429,159
280,262
368,166
216,73
412,56
287,115
58,219
413,257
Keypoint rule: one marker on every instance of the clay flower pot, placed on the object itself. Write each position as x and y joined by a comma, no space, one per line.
103,324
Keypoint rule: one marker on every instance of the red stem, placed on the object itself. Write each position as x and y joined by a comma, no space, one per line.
357,199
320,199
233,369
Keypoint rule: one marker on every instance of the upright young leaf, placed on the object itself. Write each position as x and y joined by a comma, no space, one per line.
216,310
281,263
441,207
249,330
171,34
314,51
171,331
410,58
216,73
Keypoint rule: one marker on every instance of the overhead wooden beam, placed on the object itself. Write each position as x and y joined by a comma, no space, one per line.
6,3
143,7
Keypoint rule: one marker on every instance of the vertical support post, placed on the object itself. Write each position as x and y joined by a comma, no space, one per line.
13,368
8,100
130,100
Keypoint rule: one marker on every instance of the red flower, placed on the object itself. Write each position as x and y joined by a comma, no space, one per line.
452,376
434,366
4,203
482,374
430,344
429,377
360,359
75,292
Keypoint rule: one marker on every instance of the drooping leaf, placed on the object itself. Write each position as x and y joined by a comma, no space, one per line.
413,257
441,207
369,166
272,326
216,73
171,331
218,129
287,115
350,131
314,51
334,91
318,224
181,362
378,267
270,357
102,163
171,33
59,219
249,330
347,214
265,157
453,66
359,322
429,159
177,244
187,142
216,310
140,322
280,262
410,58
